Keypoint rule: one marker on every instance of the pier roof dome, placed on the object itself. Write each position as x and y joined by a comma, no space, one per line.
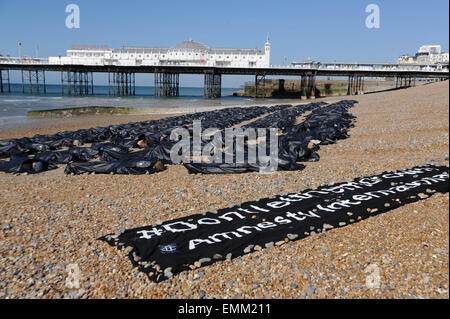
190,45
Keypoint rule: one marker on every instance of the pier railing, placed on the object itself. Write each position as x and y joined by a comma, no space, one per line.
370,66
22,60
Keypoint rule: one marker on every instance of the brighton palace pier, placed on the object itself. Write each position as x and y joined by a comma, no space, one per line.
191,57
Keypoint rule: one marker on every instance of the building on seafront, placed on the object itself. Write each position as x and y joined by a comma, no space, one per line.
426,55
187,53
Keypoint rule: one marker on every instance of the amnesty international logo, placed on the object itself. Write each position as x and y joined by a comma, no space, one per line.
168,249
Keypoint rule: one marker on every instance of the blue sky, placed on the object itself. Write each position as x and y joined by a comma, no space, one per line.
326,30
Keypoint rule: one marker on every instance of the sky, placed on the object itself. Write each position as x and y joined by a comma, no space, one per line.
325,30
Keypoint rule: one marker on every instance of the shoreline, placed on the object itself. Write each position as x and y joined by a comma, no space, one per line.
50,125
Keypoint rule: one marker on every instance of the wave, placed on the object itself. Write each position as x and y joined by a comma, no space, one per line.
12,101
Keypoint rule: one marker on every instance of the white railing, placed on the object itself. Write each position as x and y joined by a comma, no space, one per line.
369,67
22,60
294,65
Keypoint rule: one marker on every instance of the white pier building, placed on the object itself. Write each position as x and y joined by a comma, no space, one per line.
188,53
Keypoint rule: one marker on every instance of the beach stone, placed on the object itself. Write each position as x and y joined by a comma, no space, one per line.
168,272
292,236
310,291
248,249
204,260
270,244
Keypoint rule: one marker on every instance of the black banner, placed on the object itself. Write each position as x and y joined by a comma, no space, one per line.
198,240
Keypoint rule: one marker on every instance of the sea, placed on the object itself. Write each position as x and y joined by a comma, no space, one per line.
15,105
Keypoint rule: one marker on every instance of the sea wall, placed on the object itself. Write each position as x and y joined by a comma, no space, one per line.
289,88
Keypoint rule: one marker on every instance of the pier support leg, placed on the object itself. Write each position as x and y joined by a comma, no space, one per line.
302,87
4,78
117,84
212,86
9,82
166,84
129,83
177,85
118,90
165,90
313,86
256,86
122,78
264,87
36,79
349,85
311,89
157,85
62,83
357,83
30,86
43,80
84,83
76,82
81,81
37,82
114,83
308,87
121,84
69,83
23,84
258,80
92,83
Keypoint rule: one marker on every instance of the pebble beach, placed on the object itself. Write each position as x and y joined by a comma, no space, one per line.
50,222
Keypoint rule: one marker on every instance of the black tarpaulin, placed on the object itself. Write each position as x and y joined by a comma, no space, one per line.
120,147
194,241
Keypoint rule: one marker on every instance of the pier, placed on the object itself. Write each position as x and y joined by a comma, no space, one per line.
79,79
